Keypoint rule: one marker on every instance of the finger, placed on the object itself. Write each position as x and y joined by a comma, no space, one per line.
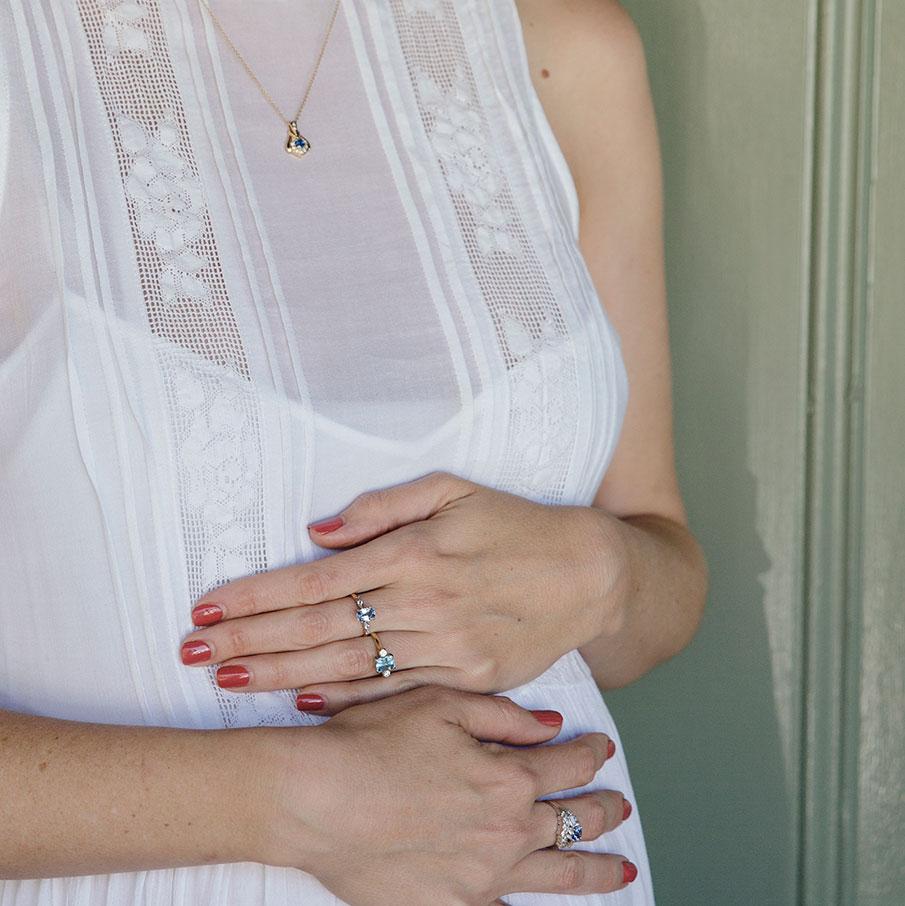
572,872
498,719
347,660
379,511
370,565
597,813
331,698
296,628
567,765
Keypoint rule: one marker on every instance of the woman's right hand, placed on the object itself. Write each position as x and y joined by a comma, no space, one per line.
420,798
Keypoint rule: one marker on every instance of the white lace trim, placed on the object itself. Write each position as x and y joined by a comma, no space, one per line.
213,408
530,327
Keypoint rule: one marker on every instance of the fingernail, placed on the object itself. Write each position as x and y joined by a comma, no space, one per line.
233,675
629,871
205,614
550,718
194,651
610,748
327,525
307,701
626,809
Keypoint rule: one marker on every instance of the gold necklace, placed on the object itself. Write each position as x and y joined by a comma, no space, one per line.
296,144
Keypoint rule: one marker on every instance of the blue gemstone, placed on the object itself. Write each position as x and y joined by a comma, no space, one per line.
299,142
384,662
366,614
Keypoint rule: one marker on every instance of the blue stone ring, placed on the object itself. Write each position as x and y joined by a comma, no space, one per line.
364,613
568,828
384,662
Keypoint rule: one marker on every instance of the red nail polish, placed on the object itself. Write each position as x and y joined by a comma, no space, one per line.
233,675
550,718
307,701
205,614
610,749
327,525
626,809
195,650
629,872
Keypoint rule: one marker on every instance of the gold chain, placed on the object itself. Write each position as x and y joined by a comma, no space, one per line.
284,119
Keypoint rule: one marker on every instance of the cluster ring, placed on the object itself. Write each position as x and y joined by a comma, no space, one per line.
384,662
568,827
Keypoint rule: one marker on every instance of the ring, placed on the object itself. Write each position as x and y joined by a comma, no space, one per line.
568,827
384,662
364,613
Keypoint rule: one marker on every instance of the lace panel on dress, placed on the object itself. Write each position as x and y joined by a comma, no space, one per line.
530,328
213,408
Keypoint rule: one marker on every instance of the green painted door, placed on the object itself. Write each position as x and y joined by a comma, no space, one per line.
768,758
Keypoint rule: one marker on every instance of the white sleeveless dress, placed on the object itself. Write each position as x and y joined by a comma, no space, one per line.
206,343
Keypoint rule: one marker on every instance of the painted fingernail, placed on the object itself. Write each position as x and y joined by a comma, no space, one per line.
194,651
550,718
205,614
327,525
233,675
307,701
629,871
626,809
610,748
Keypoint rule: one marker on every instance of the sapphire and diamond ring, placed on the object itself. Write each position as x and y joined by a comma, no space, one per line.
568,827
384,662
363,612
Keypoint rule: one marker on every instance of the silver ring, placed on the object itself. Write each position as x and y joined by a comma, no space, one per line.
364,613
568,827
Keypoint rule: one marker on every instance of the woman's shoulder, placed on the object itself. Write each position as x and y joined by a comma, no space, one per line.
588,67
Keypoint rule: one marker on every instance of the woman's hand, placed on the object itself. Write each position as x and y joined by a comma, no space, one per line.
423,799
474,588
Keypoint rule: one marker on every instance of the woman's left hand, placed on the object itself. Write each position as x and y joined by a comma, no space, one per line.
474,588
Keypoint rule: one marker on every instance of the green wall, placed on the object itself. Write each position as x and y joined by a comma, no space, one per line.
768,758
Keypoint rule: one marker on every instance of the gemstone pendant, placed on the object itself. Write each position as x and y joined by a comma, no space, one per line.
296,143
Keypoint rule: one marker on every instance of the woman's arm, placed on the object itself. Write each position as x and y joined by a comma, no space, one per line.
597,97
85,798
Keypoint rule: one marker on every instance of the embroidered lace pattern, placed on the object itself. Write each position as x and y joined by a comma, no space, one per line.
211,400
532,334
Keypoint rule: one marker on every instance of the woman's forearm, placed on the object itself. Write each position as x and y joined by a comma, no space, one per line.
84,798
658,594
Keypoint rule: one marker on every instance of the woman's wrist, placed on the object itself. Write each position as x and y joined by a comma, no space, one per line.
286,779
604,563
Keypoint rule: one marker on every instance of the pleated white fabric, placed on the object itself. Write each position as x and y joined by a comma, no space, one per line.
206,344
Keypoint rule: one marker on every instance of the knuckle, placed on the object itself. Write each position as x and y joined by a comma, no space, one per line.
598,815
353,661
585,761
310,585
517,781
572,871
236,639
277,675
311,627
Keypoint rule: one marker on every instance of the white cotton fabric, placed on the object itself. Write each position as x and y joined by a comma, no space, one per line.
206,344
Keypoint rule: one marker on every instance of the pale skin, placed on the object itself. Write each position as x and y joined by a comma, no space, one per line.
624,581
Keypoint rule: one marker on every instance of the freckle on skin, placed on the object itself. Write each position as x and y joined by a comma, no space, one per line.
42,766
545,73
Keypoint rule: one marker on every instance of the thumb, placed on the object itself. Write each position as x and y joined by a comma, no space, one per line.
496,718
379,511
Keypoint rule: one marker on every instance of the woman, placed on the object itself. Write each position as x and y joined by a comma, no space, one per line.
306,415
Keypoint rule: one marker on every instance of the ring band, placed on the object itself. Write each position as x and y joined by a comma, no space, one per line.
568,827
384,662
364,613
